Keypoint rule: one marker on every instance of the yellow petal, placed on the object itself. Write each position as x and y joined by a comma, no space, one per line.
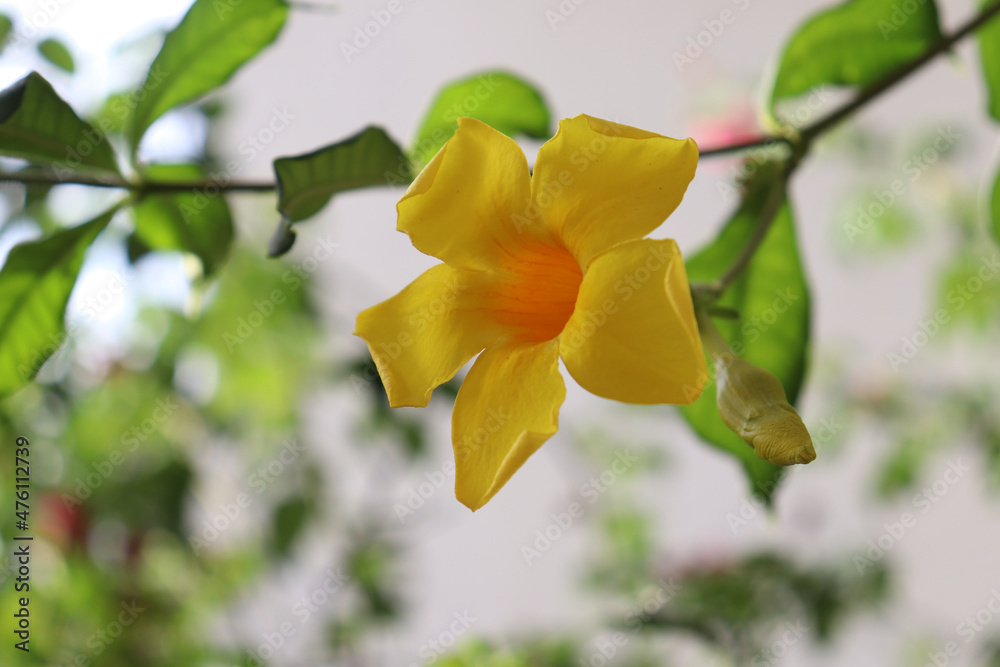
464,206
507,407
422,336
599,183
633,335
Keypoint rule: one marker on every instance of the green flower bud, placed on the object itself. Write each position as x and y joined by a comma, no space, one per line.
753,404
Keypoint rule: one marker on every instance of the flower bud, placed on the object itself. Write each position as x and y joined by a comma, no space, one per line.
753,405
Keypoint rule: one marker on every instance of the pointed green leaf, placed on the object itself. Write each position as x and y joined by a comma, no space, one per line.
855,44
36,282
212,41
198,222
989,51
56,53
772,298
38,126
501,100
307,182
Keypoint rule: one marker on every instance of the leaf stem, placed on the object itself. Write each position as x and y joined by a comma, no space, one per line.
775,199
46,178
759,142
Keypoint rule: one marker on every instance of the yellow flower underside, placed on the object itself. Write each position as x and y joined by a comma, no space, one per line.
537,268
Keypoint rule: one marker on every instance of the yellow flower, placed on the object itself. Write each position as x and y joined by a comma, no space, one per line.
537,267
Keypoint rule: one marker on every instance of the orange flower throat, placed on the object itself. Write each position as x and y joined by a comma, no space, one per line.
538,293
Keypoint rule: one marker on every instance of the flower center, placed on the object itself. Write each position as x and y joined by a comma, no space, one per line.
538,292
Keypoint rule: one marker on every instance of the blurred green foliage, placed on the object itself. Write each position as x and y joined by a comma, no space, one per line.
883,35
56,53
133,445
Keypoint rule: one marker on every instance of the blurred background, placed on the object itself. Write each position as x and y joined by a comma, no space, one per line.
226,475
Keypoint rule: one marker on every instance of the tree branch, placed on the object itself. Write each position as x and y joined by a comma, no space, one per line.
775,199
893,78
807,135
865,96
759,142
48,178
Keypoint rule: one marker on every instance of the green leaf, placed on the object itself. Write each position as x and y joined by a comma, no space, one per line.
6,26
989,51
855,44
968,293
56,53
772,298
995,208
114,113
901,469
307,182
38,126
288,522
212,41
36,282
501,100
198,222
